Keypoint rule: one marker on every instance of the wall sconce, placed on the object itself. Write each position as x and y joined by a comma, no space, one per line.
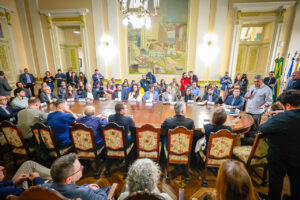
107,48
208,51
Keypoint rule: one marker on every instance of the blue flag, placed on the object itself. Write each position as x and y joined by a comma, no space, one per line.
289,74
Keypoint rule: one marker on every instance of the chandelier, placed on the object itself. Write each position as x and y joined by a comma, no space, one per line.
137,12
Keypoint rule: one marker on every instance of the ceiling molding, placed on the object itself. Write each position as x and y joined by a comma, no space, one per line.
7,9
65,12
263,6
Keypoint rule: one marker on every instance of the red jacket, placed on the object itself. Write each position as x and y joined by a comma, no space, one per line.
184,83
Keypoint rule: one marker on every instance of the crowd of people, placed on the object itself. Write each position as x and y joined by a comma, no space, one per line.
24,110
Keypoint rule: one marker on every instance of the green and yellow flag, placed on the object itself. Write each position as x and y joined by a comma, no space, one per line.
278,73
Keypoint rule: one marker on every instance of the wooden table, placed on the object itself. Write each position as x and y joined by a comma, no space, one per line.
155,113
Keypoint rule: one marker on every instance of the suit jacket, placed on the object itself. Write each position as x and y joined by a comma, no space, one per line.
124,95
44,97
4,87
73,191
238,103
178,120
155,96
165,97
23,78
215,97
13,112
268,81
61,92
97,94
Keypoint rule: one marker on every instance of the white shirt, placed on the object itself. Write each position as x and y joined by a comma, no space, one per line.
131,97
151,96
119,95
89,95
49,97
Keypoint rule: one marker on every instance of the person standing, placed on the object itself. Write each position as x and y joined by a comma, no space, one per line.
69,74
145,83
5,88
28,80
185,81
193,78
244,85
97,78
258,98
59,77
49,80
271,80
226,82
282,131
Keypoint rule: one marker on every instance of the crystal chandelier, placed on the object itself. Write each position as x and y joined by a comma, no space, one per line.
137,12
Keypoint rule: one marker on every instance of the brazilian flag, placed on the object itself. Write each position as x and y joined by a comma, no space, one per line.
278,73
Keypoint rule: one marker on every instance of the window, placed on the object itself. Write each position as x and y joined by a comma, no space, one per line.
251,34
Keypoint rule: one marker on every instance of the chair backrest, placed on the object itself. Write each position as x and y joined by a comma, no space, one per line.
113,136
179,145
12,134
46,134
220,145
148,138
259,149
145,195
38,193
82,137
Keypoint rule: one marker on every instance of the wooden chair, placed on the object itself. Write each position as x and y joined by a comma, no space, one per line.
220,147
179,149
48,139
84,144
254,156
15,139
148,145
115,145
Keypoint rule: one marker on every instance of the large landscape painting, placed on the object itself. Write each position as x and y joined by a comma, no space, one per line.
162,49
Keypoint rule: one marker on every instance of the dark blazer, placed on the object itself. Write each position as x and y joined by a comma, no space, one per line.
13,113
238,103
124,95
23,78
4,87
73,82
215,97
27,92
73,191
44,97
178,120
268,81
97,94
84,94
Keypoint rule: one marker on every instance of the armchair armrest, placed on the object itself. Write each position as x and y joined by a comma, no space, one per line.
112,191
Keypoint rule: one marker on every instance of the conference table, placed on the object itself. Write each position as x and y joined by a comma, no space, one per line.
156,112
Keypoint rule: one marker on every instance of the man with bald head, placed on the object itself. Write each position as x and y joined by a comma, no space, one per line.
95,122
296,84
295,77
48,96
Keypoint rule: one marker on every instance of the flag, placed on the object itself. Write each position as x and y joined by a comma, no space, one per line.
278,79
276,66
297,68
289,74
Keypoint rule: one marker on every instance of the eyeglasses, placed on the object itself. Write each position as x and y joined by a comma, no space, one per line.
3,99
80,169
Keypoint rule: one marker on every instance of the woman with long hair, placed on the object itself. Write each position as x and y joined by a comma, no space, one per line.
82,78
238,78
135,94
70,94
163,85
125,85
141,89
109,89
233,182
185,81
188,95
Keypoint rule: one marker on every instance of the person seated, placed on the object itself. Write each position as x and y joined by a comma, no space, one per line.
95,123
70,93
109,89
7,112
157,88
59,121
143,174
195,91
175,89
20,85
233,183
235,86
122,120
217,123
215,88
73,80
177,120
168,95
274,109
141,89
81,88
49,80
135,94
119,93
42,89
82,78
98,90
235,100
151,94
62,90
65,172
20,101
188,96
48,96
28,117
88,93
29,170
210,96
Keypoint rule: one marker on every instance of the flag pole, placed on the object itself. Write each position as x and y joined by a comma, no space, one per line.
285,70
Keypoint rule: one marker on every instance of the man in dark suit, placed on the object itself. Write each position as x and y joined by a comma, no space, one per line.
282,131
210,96
65,172
235,100
7,112
4,86
48,96
120,94
122,120
69,74
193,78
28,80
271,80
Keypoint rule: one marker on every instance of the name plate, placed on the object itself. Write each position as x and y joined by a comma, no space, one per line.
70,100
82,100
190,101
210,103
